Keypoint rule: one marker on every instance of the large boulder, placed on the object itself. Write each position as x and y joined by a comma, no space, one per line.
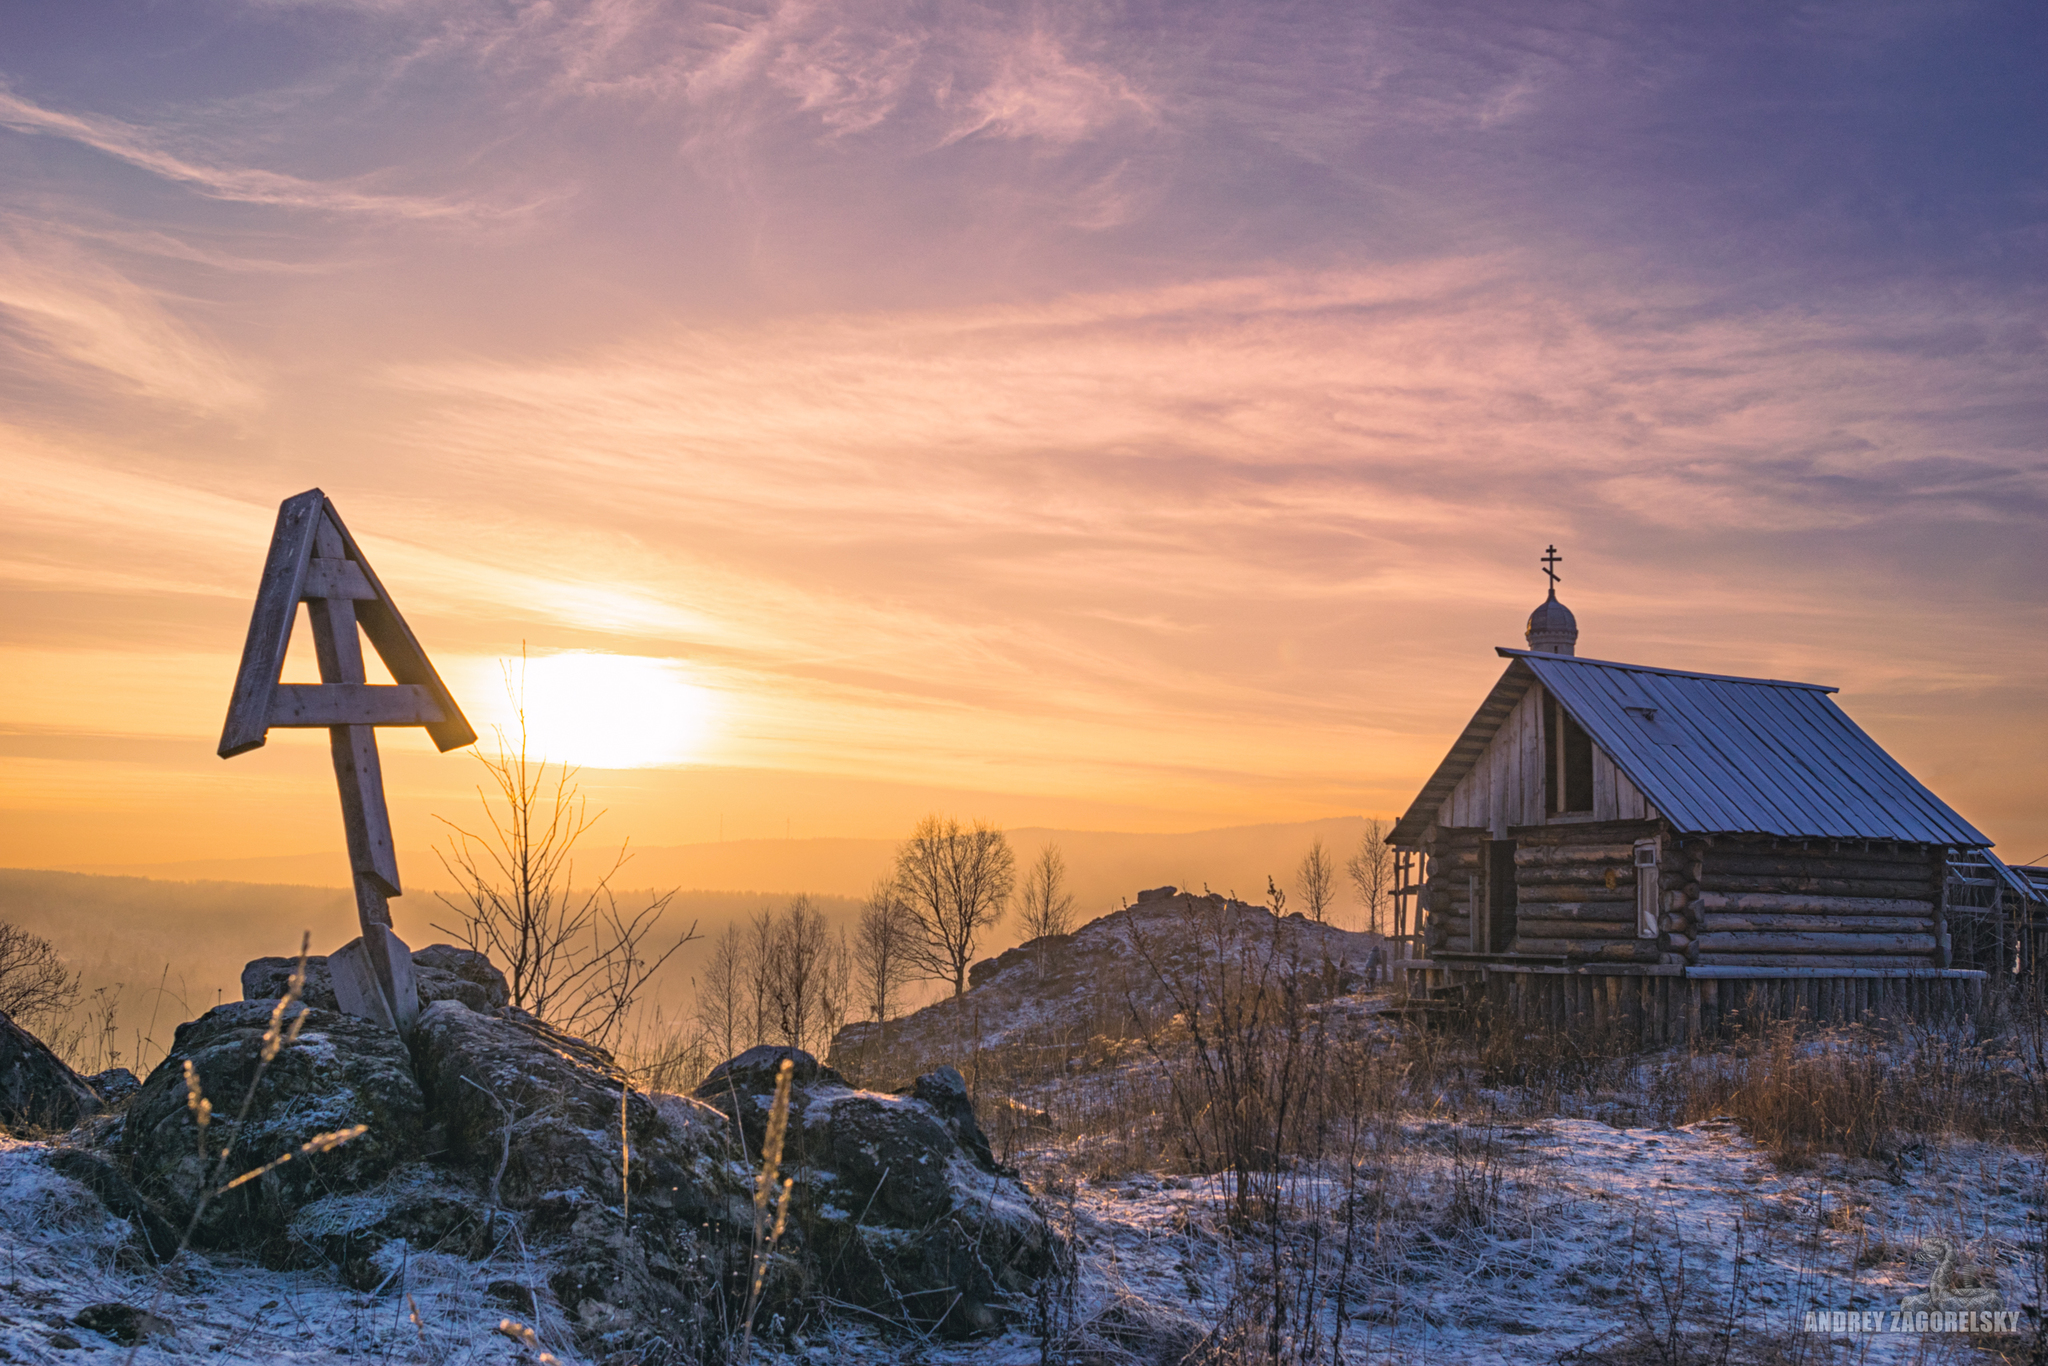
900,1207
444,973
546,1107
342,1071
621,1188
37,1089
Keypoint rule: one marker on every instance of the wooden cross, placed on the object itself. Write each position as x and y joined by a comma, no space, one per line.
1550,559
314,560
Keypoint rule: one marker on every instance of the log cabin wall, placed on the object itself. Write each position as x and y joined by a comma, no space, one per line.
1575,891
1452,890
1506,785
1813,904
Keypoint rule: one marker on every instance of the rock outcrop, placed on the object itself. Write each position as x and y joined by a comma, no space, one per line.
897,1196
37,1089
486,1126
342,1071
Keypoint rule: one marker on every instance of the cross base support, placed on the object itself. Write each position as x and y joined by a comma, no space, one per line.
373,980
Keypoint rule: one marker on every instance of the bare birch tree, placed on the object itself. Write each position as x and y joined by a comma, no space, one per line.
722,993
1045,904
956,882
1372,872
883,942
1316,879
761,934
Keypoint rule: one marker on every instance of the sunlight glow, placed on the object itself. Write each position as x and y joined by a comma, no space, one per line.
611,711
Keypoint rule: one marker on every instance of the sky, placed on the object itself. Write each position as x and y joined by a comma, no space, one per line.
1094,416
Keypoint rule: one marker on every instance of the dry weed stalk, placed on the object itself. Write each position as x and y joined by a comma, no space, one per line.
770,1188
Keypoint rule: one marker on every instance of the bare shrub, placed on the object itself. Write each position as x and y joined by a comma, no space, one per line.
956,882
1858,1090
36,989
571,956
1248,1045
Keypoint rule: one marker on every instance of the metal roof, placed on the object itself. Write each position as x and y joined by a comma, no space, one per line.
1717,754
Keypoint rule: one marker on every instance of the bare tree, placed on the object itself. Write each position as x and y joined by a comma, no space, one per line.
883,942
1372,871
956,882
1316,879
1046,905
722,993
761,934
570,955
806,978
35,986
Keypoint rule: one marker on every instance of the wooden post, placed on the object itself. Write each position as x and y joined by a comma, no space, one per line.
359,776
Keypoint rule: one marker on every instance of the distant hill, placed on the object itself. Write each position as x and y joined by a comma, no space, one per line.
1104,867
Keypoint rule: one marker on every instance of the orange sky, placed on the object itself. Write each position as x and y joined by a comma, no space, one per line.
1054,420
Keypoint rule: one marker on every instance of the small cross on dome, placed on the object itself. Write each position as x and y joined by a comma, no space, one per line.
1550,559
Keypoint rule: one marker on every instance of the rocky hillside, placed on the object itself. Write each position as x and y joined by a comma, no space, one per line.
1110,981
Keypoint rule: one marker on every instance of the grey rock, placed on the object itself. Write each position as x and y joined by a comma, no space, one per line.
124,1323
342,1071
445,972
115,1085
900,1209
37,1089
449,973
743,1088
265,979
98,1174
511,1090
364,1236
945,1090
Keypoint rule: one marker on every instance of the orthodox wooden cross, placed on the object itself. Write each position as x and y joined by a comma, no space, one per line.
1550,559
314,560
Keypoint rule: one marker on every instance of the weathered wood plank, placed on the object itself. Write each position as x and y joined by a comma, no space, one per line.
336,578
1571,855
1819,886
1817,962
304,705
400,651
270,622
1575,929
1826,905
1714,941
1868,924
1593,950
1619,912
1579,893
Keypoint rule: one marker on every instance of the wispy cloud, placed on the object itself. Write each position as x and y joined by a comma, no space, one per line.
139,148
69,310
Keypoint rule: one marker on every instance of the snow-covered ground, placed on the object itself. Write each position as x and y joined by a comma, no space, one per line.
1470,1242
60,1252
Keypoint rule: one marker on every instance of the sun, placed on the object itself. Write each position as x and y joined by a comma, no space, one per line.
598,710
